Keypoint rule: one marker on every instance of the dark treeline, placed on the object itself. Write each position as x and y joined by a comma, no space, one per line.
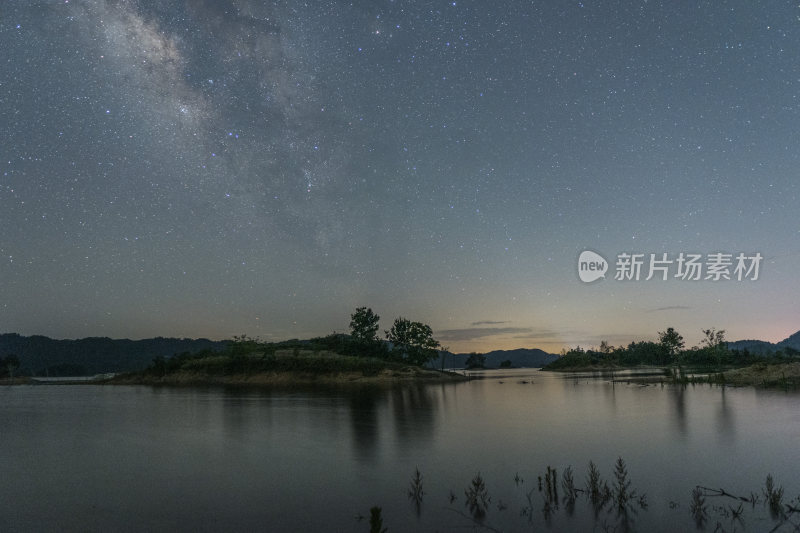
43,356
244,355
670,351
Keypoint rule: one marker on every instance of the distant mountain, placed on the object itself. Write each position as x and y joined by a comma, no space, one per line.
764,347
792,341
520,358
41,356
754,346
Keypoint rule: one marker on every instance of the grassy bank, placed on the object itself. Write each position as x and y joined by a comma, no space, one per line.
781,375
280,367
384,377
588,368
20,380
713,362
763,375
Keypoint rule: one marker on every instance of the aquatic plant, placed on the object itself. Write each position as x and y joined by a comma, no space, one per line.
698,506
593,482
528,509
551,485
622,491
568,485
415,491
773,496
477,497
375,521
599,491
626,501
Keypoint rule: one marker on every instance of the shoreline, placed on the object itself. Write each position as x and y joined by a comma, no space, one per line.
759,375
765,376
407,375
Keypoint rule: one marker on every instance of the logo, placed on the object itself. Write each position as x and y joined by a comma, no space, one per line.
591,266
684,266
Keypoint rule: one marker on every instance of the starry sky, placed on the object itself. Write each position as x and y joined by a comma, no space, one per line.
207,168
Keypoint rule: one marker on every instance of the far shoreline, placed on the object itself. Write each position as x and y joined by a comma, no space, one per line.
759,375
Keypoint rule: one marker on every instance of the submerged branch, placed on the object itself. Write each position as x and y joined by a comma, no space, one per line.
473,520
721,492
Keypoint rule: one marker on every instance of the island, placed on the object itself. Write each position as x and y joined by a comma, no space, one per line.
338,358
715,361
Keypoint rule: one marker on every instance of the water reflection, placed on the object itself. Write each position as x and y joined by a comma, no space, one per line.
678,394
241,412
142,453
365,405
725,418
414,414
610,394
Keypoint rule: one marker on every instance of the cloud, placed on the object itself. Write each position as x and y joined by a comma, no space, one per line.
467,334
668,308
489,322
542,334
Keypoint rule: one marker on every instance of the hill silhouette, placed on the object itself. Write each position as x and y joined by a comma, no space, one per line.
519,358
764,347
43,356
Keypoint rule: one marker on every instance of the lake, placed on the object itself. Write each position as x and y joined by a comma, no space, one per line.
133,458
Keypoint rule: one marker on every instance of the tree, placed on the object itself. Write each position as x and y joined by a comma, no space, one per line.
443,354
364,325
413,341
159,366
672,342
713,339
476,360
12,363
715,342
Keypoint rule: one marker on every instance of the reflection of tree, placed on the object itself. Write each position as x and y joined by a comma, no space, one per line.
364,418
611,397
414,413
242,411
679,396
725,417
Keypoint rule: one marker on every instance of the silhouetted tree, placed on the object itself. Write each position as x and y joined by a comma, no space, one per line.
159,366
364,325
713,338
11,363
476,360
413,341
672,342
442,354
714,341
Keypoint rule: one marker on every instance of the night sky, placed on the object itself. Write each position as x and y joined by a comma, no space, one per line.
207,168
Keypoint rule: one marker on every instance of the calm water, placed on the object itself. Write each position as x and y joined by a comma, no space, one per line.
92,458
